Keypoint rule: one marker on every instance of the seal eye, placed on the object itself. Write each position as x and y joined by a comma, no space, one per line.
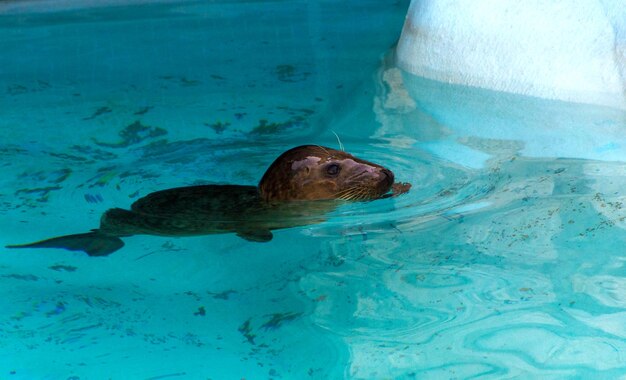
332,169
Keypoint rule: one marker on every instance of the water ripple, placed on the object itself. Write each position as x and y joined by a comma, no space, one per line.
487,279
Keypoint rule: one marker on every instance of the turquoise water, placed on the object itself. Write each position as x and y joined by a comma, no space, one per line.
504,261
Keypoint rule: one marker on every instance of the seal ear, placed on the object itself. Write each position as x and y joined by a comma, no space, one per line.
259,236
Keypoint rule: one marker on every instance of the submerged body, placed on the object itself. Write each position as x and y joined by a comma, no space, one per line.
299,188
211,209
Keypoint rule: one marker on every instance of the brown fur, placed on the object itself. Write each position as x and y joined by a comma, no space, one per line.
302,173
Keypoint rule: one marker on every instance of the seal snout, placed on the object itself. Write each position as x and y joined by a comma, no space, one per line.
388,177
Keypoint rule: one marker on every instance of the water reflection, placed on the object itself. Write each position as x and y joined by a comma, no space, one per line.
512,266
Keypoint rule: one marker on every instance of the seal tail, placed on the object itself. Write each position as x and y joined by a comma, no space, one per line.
93,243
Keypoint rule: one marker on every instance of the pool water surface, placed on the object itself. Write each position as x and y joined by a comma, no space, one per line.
505,260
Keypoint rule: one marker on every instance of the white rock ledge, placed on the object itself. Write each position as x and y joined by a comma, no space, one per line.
568,50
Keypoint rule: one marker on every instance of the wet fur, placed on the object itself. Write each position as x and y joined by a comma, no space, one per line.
296,190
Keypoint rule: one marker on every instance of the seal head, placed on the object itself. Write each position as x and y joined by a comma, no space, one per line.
312,172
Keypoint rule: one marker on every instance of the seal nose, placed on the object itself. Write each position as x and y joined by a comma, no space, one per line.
388,176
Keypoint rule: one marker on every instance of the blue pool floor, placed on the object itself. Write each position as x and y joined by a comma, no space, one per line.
503,261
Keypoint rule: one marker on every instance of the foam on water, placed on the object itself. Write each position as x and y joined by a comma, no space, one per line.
504,260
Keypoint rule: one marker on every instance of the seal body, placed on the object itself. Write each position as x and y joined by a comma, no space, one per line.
299,188
210,209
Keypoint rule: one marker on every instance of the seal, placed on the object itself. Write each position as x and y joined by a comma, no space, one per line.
298,188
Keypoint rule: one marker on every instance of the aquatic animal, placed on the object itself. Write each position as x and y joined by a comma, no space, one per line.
298,188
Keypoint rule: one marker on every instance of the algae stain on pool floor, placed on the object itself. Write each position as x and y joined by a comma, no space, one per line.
503,260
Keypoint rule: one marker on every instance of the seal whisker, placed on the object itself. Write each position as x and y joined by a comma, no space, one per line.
365,193
361,194
346,196
339,141
347,192
355,193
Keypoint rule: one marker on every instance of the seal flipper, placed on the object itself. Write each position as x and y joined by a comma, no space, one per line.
259,236
92,243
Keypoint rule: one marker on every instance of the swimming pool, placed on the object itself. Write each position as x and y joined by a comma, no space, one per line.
504,259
